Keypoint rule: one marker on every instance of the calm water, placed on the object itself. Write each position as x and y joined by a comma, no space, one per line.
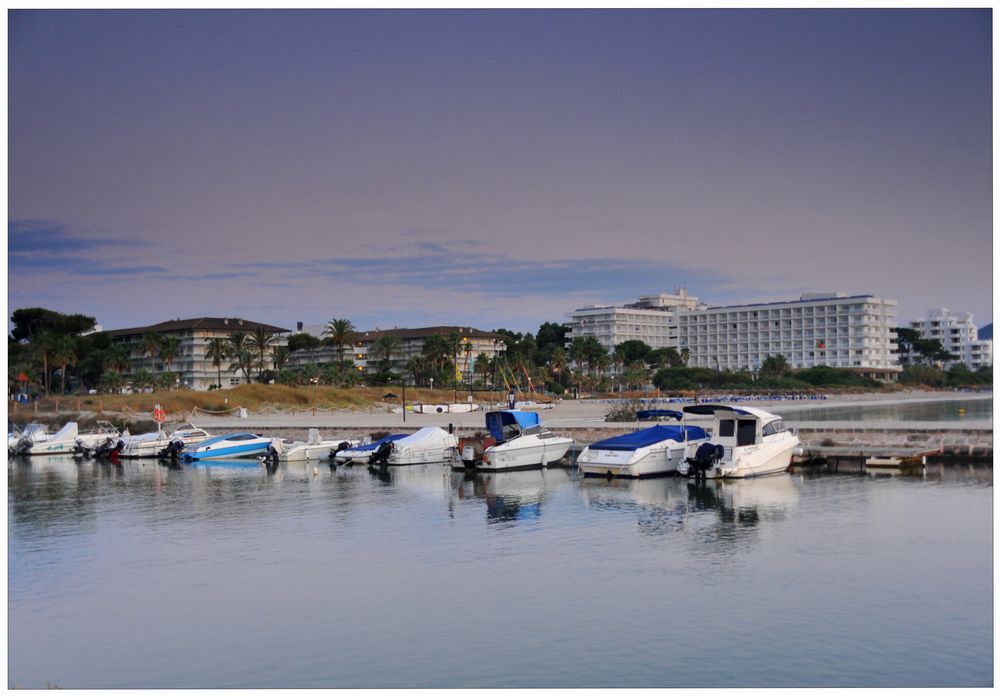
972,410
223,576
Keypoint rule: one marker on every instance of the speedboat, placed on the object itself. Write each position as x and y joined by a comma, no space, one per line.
154,443
745,442
39,442
239,445
313,448
35,432
364,452
520,442
104,436
655,450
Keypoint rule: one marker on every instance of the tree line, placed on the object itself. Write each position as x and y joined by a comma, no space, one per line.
50,349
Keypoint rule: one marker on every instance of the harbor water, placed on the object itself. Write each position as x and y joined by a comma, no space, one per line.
222,576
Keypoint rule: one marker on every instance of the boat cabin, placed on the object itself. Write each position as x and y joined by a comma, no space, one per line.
739,426
505,425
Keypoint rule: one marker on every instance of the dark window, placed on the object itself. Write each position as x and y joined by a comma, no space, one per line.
746,435
726,427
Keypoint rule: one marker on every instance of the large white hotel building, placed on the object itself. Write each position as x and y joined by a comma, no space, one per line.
958,335
855,332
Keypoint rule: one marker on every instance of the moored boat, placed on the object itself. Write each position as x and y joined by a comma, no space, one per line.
655,450
155,443
363,453
238,445
521,442
745,442
426,445
313,448
63,441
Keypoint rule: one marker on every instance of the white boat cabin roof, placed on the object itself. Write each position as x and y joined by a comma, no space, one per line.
739,412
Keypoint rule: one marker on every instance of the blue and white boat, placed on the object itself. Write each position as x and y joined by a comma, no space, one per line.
239,445
519,442
362,454
656,450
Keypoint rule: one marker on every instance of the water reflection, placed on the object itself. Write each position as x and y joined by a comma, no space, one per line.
509,496
707,510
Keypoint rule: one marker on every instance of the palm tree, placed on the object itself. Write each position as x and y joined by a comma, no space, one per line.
383,349
116,358
436,349
46,345
170,349
239,349
685,355
417,367
217,350
341,332
482,365
111,381
260,340
151,345
279,355
64,354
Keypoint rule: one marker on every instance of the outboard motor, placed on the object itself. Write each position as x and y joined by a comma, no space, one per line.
171,451
271,460
381,454
23,446
80,451
705,458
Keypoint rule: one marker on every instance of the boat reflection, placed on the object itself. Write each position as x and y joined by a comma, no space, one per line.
510,496
707,509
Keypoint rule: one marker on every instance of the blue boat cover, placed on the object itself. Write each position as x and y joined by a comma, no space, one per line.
650,414
647,437
495,421
375,444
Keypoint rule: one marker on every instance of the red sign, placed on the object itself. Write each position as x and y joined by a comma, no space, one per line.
22,376
159,415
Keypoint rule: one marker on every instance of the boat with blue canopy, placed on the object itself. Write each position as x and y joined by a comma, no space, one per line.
363,453
655,450
520,442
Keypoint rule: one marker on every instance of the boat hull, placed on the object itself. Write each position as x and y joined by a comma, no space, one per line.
756,461
519,454
644,462
239,451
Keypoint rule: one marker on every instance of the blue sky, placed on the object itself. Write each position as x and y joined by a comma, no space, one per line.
494,168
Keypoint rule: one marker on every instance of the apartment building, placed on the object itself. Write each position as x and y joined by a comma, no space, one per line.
192,367
651,319
957,334
854,332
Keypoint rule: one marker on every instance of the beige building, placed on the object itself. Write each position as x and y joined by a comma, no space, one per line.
192,368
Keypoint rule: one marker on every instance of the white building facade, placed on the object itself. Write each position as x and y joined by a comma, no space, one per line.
855,332
957,334
652,319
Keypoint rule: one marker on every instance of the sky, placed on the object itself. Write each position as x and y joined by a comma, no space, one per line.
494,168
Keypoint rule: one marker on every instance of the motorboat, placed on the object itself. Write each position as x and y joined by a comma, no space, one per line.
364,452
426,445
103,436
155,443
655,450
39,442
745,442
34,432
313,448
521,442
238,445
425,408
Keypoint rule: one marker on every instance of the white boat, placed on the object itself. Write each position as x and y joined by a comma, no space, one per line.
424,408
313,448
655,450
34,432
104,434
745,442
152,444
238,445
426,445
63,441
520,442
364,452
